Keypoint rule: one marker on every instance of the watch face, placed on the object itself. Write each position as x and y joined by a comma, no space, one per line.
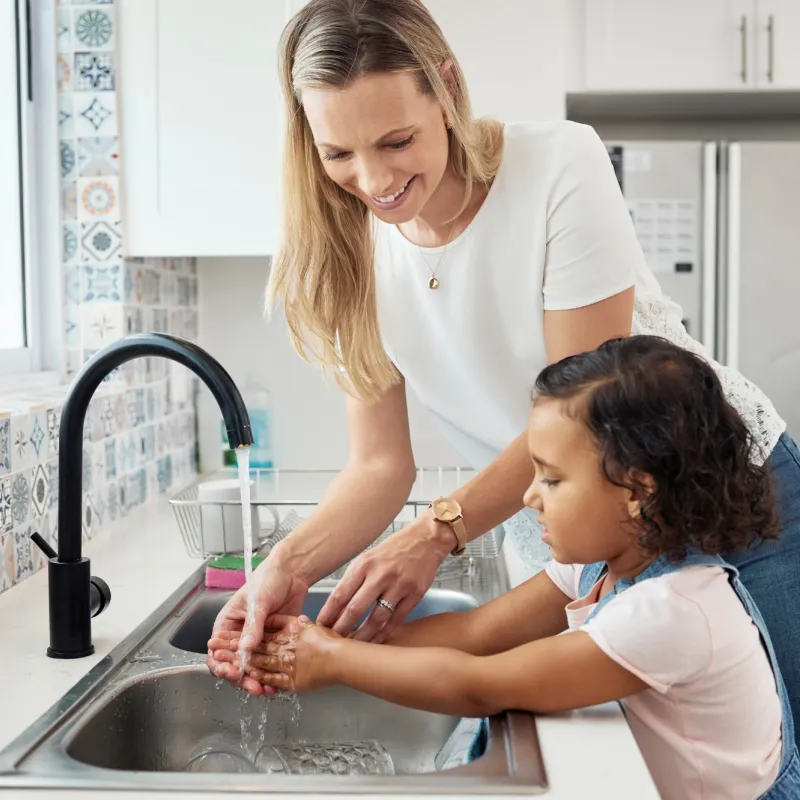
446,509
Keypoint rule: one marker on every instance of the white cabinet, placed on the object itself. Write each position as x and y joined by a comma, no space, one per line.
201,126
512,54
778,40
680,45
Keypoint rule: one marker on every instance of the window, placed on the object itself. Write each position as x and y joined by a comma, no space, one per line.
30,286
14,340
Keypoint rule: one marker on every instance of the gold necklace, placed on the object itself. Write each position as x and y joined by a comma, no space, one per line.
433,283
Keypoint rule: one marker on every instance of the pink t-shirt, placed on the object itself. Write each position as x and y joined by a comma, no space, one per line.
710,725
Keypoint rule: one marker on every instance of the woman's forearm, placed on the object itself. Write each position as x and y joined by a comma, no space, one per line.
495,493
358,506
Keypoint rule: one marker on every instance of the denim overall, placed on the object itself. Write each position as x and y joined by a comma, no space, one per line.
787,784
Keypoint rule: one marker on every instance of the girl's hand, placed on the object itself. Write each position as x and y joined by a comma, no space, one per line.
296,658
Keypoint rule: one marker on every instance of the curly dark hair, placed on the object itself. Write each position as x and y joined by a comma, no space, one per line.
656,409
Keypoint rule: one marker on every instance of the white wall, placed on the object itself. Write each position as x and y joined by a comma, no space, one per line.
309,422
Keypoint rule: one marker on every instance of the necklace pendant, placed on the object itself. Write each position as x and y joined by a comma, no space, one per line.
433,283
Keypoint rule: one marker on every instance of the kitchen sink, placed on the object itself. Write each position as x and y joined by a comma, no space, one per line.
194,633
135,720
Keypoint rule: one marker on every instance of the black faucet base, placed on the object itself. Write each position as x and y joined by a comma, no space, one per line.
60,654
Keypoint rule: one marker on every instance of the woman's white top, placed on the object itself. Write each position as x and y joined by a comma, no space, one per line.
553,233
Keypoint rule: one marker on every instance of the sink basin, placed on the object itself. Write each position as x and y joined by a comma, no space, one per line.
134,720
154,723
194,633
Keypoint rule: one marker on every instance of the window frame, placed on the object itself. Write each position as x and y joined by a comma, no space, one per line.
40,361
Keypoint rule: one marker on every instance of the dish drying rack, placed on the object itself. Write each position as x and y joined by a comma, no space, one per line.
290,496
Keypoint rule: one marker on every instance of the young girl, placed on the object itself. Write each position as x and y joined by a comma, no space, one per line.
643,473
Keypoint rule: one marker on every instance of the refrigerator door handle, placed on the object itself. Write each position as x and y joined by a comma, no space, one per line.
709,275
734,272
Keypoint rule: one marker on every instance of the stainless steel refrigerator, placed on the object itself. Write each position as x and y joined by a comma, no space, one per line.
719,224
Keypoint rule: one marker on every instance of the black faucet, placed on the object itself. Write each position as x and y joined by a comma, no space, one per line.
75,595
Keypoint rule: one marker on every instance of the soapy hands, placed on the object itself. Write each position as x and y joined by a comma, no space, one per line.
295,655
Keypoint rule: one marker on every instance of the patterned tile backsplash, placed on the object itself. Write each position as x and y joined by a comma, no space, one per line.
139,434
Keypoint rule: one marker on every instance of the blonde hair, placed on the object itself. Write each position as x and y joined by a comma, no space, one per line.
323,272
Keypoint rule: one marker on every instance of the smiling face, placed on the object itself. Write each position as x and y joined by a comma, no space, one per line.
587,518
383,140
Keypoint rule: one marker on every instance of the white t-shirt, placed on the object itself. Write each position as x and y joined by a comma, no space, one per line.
553,233
710,726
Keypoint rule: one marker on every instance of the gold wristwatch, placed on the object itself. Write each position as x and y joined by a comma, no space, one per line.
445,509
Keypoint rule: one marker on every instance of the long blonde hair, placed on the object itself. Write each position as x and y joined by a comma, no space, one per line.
323,272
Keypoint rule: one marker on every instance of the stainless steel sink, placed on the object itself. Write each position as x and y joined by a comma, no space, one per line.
134,720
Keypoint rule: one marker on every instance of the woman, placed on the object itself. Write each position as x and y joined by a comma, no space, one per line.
458,256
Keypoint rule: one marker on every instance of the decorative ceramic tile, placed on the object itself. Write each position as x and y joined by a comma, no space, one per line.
165,474
23,453
90,517
87,469
69,200
21,497
127,453
23,547
112,500
66,122
6,517
147,444
70,243
40,492
107,416
5,444
73,361
94,28
101,283
100,241
38,435
52,518
42,527
99,498
95,114
152,480
150,404
94,71
99,198
141,479
99,463
64,30
52,474
72,283
72,330
69,171
53,425
98,156
8,570
63,73
120,421
101,324
111,458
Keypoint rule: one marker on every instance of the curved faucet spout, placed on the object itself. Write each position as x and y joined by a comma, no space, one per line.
69,577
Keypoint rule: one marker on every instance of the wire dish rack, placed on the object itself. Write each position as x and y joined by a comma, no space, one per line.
286,497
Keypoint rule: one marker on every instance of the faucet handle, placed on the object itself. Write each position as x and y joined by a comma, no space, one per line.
99,591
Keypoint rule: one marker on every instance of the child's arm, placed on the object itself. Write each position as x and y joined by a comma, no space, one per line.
533,610
553,674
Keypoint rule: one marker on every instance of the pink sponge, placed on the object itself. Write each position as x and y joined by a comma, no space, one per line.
227,572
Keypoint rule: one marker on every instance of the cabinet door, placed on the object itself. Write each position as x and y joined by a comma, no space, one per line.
201,125
512,54
779,34
680,45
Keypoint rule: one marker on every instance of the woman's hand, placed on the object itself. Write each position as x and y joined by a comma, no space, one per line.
398,571
276,592
296,658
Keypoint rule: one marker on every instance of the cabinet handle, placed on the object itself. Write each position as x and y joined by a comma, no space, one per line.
771,48
743,46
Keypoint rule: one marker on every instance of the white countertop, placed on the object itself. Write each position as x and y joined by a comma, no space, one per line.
143,560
